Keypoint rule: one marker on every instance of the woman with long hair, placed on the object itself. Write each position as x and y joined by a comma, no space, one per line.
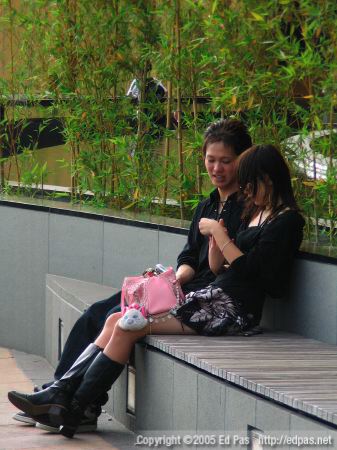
257,263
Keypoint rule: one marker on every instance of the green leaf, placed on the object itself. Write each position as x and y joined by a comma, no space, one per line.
130,205
257,16
214,6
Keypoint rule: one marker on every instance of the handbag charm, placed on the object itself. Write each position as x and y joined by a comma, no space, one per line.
133,318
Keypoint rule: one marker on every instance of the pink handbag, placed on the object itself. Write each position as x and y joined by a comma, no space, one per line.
155,294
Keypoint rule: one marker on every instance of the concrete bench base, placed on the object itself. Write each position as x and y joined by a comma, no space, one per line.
175,397
284,368
274,382
66,299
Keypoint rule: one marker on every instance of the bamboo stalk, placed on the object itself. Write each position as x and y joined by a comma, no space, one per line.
11,128
2,118
167,140
195,125
114,97
113,149
2,164
71,60
179,109
330,197
139,157
315,175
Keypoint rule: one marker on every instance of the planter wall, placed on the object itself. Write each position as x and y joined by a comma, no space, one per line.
37,239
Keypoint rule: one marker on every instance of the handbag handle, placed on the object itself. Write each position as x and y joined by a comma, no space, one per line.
123,308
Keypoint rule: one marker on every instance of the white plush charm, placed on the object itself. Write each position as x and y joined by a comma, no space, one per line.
132,319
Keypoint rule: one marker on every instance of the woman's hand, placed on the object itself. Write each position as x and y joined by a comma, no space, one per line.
184,274
215,258
207,227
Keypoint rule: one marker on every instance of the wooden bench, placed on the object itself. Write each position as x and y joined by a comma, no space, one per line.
286,368
275,382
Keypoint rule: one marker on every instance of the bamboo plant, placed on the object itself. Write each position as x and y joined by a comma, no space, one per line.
273,64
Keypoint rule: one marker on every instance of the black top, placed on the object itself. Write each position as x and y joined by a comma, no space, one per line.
195,252
269,250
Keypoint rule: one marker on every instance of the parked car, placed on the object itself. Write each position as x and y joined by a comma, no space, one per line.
310,154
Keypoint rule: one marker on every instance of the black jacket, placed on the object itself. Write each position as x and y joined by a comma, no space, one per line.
265,266
195,252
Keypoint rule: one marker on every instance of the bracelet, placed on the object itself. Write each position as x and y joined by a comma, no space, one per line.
225,244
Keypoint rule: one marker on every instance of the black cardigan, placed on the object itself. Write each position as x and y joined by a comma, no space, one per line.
195,252
265,266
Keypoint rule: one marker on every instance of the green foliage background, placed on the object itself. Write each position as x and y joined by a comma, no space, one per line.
273,63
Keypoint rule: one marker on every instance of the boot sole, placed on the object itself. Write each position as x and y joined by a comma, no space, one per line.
27,420
68,431
80,429
54,411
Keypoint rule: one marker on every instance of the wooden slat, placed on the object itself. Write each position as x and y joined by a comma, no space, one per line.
287,368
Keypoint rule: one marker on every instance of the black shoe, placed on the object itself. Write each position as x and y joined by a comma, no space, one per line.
88,422
54,400
97,380
47,385
51,401
24,418
87,425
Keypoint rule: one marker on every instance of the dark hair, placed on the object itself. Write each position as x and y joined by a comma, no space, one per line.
253,166
231,132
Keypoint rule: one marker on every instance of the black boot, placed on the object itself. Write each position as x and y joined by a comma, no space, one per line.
54,401
98,379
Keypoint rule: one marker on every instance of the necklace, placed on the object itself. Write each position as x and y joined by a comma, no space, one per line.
221,206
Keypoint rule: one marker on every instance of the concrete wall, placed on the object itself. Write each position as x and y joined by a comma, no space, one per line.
311,307
40,240
36,242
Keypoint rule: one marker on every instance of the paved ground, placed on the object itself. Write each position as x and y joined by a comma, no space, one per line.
21,371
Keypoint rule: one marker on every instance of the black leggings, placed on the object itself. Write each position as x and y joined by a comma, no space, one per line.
85,331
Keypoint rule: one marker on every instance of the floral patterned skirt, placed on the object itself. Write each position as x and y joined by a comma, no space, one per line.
211,312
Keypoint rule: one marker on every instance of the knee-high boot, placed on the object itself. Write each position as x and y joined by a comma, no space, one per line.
97,380
55,400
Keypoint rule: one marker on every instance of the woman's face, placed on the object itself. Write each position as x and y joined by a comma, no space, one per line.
264,191
220,162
